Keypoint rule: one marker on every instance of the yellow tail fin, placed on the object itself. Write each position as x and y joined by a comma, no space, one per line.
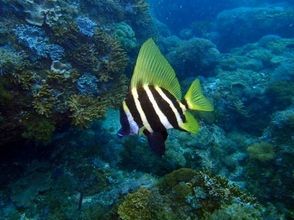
195,98
191,124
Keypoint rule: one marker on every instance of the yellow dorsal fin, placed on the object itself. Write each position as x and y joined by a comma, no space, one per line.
191,124
195,98
153,69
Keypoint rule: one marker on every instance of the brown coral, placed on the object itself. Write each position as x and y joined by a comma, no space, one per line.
85,109
112,56
136,206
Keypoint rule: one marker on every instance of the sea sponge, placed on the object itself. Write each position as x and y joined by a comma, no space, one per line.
262,151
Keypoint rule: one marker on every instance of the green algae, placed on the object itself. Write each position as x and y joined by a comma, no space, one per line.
261,151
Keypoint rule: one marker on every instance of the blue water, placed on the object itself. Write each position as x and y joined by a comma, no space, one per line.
65,69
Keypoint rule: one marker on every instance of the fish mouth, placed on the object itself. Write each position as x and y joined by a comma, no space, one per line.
120,134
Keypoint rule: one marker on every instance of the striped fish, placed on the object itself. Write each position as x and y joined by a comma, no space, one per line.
154,102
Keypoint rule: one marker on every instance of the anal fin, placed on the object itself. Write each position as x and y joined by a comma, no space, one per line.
156,141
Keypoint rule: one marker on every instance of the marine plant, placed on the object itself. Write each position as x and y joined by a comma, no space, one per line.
262,151
281,94
38,129
235,211
10,59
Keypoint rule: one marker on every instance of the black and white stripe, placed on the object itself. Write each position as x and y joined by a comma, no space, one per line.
172,106
154,108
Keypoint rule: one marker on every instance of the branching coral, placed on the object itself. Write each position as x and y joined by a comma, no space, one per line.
86,57
122,11
85,109
281,93
111,55
43,101
118,91
102,55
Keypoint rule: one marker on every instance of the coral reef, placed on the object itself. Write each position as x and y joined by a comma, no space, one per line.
55,66
183,194
64,71
194,54
235,28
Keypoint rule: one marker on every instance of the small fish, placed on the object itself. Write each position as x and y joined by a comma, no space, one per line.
154,102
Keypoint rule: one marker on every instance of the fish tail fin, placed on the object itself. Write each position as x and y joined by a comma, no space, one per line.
195,99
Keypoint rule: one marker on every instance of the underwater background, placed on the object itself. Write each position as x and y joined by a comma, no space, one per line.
65,68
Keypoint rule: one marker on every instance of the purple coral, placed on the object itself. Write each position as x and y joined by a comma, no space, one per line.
55,52
87,84
35,39
86,25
